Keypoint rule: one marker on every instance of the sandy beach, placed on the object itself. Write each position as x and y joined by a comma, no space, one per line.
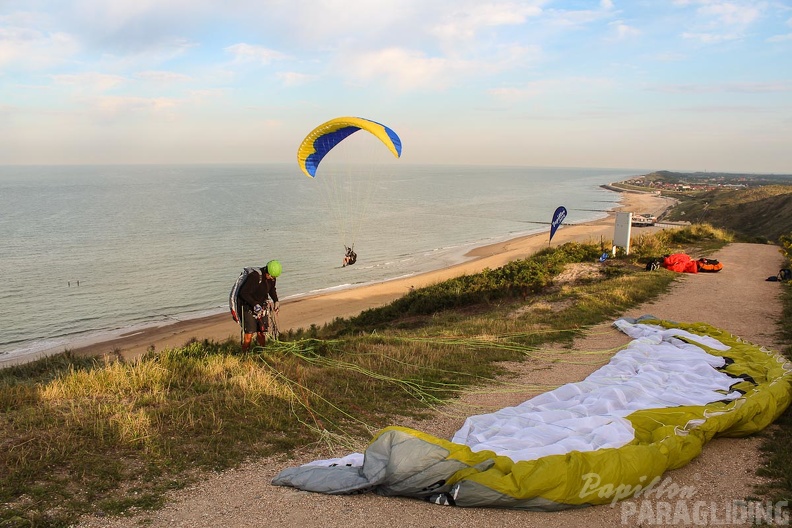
320,309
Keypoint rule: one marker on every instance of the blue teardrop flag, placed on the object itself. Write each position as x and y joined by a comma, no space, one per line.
558,217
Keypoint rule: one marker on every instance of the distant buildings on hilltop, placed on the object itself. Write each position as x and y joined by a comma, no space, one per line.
674,182
706,181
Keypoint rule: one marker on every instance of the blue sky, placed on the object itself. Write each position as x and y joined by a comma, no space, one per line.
678,85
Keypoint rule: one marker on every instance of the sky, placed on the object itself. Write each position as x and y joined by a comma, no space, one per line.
700,85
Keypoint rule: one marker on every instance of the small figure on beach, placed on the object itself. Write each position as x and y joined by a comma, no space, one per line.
350,257
254,293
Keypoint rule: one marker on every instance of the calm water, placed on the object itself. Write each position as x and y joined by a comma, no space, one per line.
154,244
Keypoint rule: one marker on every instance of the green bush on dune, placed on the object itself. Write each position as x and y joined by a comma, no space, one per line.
517,278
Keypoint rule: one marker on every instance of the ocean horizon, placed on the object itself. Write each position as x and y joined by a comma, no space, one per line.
93,252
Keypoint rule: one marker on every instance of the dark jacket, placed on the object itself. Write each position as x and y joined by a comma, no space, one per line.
256,288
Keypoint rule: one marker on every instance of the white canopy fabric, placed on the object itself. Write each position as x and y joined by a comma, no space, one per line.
659,369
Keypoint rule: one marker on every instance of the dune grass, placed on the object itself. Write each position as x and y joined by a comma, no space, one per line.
82,435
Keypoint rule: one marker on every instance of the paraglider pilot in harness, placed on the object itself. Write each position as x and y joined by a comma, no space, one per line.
350,257
253,294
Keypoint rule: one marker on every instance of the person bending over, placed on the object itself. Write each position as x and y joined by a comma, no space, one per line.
253,294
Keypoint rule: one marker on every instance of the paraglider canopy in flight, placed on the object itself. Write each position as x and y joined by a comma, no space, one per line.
327,135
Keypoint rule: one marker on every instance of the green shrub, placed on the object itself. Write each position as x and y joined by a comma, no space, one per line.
785,241
517,278
698,233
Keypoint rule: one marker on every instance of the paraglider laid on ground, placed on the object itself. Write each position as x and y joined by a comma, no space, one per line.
682,263
653,407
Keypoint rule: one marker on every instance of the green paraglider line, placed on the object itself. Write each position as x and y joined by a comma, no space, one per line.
426,392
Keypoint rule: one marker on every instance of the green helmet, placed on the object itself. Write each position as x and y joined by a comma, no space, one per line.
274,268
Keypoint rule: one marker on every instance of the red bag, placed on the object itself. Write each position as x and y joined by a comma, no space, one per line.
681,263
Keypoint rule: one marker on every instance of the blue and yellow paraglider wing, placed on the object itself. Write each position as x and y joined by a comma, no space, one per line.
326,136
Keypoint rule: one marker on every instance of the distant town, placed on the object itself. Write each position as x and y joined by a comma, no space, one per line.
704,181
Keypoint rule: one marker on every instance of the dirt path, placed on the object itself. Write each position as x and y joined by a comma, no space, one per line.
737,299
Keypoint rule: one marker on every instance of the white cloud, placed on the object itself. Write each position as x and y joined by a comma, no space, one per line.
509,93
89,82
118,13
125,110
402,69
718,21
406,70
780,38
330,23
667,57
31,49
727,109
119,103
123,27
731,14
624,30
465,24
294,78
711,38
747,88
543,87
248,53
164,77
576,18
759,87
199,96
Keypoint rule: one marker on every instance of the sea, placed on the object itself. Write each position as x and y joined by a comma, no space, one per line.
88,253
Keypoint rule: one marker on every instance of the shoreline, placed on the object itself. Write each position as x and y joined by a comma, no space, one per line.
319,309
